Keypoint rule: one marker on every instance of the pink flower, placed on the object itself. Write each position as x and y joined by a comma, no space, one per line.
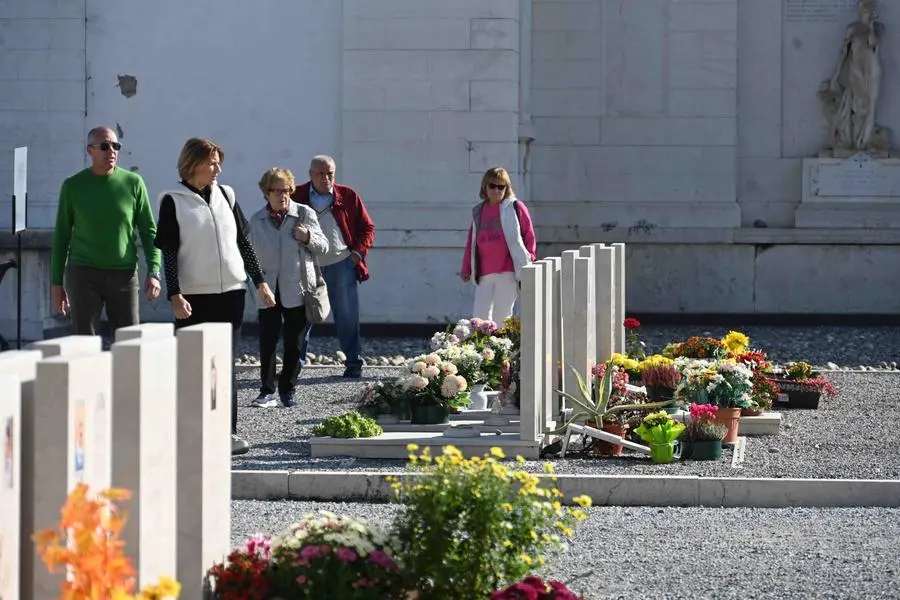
310,552
382,560
301,579
346,555
362,582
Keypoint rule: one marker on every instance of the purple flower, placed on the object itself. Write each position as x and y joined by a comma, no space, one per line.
310,552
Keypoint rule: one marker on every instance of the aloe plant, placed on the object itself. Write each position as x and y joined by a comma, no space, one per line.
595,407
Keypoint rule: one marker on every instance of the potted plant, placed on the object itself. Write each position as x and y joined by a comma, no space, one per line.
385,401
434,388
615,423
594,405
695,347
660,377
660,431
725,383
702,435
803,385
484,525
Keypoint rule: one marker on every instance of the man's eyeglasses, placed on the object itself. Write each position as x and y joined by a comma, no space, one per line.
105,146
497,186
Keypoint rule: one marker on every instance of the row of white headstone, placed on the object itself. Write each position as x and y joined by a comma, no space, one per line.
572,311
152,415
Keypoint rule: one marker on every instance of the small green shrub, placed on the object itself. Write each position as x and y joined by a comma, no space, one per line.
349,425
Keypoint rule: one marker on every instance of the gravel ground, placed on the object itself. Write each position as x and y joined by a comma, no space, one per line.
844,439
849,347
667,554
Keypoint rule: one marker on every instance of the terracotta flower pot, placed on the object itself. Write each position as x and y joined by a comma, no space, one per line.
731,418
603,448
747,412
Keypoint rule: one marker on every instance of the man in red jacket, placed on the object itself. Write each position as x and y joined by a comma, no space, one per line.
350,233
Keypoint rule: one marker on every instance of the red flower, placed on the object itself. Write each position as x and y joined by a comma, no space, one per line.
631,323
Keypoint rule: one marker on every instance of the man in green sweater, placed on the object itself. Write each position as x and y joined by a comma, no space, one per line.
94,245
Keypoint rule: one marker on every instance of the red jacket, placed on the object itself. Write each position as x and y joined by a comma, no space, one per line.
351,217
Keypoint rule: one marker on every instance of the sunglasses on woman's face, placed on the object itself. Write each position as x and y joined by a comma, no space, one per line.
105,146
497,186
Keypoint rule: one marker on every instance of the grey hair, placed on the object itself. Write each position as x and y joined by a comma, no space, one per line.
91,136
322,159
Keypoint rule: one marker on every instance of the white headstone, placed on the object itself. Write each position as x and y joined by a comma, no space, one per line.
144,387
72,435
619,296
23,364
145,331
557,380
531,353
10,485
69,345
582,330
604,287
548,366
204,451
567,301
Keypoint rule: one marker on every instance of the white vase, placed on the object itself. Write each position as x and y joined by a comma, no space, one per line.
478,398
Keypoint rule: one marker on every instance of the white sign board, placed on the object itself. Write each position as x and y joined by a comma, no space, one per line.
20,188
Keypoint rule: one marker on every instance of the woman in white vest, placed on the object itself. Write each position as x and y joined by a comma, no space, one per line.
504,243
207,256
287,239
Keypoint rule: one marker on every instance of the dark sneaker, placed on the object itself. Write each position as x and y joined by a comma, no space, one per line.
287,400
354,372
265,401
238,445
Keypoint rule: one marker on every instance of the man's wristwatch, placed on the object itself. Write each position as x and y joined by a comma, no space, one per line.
154,275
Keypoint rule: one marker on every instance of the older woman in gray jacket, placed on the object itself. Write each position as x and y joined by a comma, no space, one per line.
287,238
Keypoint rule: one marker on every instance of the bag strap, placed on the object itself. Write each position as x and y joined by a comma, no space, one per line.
228,196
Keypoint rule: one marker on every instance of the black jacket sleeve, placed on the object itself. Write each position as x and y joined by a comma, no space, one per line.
168,239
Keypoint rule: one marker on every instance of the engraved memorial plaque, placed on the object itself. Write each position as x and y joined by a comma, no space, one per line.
857,177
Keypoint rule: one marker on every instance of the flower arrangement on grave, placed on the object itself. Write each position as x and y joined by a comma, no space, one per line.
695,347
433,381
244,575
800,377
725,382
329,556
87,544
467,361
703,433
702,425
659,431
384,397
348,425
636,348
660,377
475,523
493,343
535,588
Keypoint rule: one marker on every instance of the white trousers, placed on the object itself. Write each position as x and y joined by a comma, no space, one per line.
495,296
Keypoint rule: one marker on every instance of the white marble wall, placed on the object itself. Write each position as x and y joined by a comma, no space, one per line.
634,113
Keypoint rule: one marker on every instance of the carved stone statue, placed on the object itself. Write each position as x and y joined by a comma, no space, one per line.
850,97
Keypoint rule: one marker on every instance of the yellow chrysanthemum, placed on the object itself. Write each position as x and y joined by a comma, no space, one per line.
736,342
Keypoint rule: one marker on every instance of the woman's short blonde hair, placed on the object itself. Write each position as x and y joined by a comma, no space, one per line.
495,174
196,151
273,175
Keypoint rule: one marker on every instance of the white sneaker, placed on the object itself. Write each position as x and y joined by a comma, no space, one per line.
265,401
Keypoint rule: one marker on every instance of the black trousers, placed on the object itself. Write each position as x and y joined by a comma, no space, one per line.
220,308
290,325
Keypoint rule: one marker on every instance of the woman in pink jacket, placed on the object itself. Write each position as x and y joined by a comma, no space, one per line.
504,243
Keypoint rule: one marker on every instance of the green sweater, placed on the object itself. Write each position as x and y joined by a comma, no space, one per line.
95,223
